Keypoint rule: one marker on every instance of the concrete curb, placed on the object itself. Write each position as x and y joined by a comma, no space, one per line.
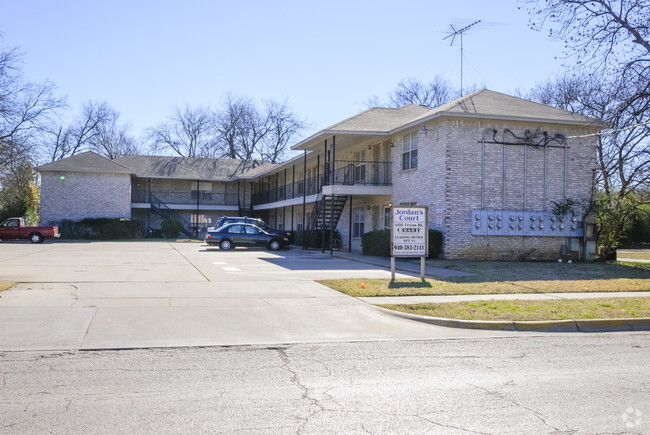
586,325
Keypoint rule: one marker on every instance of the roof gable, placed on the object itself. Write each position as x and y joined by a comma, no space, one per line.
85,162
491,104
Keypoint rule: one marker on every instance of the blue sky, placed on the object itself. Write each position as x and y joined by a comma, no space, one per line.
324,58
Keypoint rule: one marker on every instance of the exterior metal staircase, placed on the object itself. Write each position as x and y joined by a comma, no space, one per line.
325,215
162,210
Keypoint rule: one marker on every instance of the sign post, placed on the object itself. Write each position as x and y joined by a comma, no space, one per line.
409,235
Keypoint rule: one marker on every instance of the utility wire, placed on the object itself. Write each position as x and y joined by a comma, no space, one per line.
607,132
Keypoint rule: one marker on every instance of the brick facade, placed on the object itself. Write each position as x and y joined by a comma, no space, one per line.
79,195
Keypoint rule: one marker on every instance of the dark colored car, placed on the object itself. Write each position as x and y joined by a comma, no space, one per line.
231,235
225,220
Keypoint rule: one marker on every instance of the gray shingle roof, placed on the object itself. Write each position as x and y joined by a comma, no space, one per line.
491,104
480,104
86,162
193,168
379,119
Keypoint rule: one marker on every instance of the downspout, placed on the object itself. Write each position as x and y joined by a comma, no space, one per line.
544,195
503,181
565,158
483,171
198,199
332,203
325,165
350,228
304,203
525,157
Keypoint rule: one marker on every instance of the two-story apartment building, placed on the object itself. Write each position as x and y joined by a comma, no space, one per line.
493,170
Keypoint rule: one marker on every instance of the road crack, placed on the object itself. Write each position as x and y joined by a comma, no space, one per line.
538,415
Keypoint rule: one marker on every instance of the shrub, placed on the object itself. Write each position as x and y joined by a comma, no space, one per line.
378,243
101,229
170,228
297,238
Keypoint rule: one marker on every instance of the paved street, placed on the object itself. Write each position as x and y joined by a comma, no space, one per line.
118,295
578,383
158,337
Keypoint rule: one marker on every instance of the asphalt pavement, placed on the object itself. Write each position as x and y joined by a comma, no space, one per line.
118,295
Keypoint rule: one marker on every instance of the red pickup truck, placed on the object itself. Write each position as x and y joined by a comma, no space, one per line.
14,228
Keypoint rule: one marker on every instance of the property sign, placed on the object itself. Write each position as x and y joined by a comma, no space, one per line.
409,235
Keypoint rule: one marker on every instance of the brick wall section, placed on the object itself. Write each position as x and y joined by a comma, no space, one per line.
84,195
463,185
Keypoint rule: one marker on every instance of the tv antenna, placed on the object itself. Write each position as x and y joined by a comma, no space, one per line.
453,35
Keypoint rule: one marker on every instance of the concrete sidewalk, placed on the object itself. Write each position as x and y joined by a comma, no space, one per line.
405,300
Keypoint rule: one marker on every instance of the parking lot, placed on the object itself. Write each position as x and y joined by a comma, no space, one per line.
106,295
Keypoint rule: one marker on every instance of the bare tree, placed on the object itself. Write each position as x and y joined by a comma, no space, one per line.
413,91
68,140
228,124
113,140
25,108
604,35
190,132
283,126
247,132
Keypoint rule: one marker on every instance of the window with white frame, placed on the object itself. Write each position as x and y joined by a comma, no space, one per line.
409,151
359,166
359,221
299,221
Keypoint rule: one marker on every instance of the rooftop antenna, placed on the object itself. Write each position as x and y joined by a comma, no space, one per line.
453,35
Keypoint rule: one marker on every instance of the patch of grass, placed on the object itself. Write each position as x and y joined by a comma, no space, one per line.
518,310
6,285
493,277
637,254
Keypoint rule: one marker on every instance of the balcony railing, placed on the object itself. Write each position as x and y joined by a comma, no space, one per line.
204,198
349,173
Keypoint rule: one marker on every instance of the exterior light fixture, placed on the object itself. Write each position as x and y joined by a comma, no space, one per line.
62,177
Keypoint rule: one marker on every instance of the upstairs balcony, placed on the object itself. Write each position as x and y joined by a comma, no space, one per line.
355,176
184,199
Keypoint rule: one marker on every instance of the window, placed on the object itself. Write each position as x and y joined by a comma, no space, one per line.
410,151
387,218
204,192
251,230
358,225
235,229
299,221
359,166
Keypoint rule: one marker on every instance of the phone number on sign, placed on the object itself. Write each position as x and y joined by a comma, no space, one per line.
408,247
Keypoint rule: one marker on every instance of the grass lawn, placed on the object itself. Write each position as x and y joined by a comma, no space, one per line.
636,254
493,277
533,310
6,285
